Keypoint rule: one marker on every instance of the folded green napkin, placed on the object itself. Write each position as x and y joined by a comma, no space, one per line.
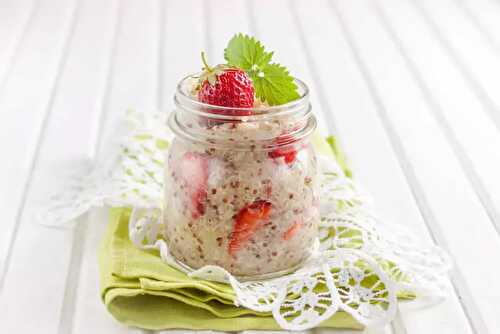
140,290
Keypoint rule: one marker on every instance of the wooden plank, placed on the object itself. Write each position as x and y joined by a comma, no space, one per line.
181,55
137,54
132,84
361,120
25,104
467,49
365,141
236,16
484,14
384,75
16,17
480,147
280,37
434,165
36,278
455,109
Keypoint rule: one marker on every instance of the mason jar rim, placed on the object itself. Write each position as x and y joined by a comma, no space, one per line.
187,102
184,119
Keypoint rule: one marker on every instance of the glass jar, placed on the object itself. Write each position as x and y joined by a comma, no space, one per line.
240,185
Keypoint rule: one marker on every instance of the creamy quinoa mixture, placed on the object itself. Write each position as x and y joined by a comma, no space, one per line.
201,234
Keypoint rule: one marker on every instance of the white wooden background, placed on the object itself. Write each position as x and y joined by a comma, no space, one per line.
411,88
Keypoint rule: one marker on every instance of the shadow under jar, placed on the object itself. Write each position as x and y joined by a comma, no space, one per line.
240,185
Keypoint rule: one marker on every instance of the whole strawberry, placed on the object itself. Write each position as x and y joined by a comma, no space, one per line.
227,87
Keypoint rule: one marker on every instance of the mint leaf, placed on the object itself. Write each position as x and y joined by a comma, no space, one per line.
273,83
244,51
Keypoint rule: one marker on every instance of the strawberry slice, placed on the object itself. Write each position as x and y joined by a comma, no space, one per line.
292,230
246,223
289,155
288,152
194,171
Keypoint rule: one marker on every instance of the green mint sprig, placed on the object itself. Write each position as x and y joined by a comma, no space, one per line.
272,82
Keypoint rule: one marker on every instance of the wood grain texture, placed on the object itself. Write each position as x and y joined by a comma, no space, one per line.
26,103
35,283
16,17
283,39
471,54
485,135
350,84
181,56
131,85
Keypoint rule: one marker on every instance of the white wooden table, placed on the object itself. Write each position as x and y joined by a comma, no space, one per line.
411,88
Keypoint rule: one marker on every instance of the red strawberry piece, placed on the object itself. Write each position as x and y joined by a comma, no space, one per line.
292,230
194,171
227,87
233,88
289,155
288,152
246,223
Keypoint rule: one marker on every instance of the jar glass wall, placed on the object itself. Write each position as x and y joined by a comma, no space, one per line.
240,185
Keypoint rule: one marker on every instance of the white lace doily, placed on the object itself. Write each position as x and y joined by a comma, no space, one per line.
360,266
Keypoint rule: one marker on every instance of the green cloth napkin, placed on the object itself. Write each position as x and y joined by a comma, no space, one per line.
140,290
